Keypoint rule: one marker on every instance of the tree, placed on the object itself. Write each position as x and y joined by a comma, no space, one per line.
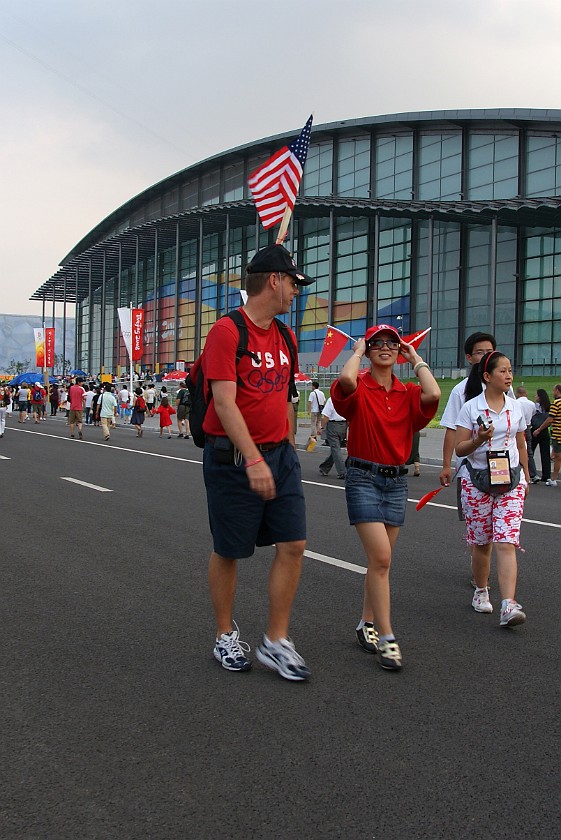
18,367
62,365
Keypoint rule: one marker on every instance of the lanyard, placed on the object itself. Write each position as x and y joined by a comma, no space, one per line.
507,438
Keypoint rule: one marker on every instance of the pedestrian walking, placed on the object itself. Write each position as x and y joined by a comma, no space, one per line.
528,410
336,432
138,410
76,398
251,470
106,410
553,419
165,410
382,413
542,405
491,438
316,402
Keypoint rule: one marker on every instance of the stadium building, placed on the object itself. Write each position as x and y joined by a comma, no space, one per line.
448,219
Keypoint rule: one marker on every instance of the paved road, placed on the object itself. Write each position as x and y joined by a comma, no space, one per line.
118,723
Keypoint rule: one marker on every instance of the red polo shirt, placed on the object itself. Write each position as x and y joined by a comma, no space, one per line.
382,423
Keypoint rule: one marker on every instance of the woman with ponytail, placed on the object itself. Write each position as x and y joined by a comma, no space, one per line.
490,436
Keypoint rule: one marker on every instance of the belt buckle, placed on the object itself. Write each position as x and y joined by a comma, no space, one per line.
388,472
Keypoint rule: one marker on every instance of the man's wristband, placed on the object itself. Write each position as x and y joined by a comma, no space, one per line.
419,365
252,463
357,355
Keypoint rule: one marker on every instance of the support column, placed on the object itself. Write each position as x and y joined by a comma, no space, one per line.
155,349
199,289
136,274
176,307
375,268
77,324
493,285
331,287
227,263
91,315
102,326
64,327
430,268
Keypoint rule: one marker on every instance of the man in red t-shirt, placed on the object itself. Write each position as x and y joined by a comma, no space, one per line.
76,397
38,401
251,470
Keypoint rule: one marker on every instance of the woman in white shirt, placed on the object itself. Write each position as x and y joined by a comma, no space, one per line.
490,436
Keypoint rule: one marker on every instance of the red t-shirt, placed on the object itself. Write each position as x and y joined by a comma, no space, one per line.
35,390
262,387
75,394
382,423
165,413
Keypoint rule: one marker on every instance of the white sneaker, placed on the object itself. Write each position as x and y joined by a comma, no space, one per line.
511,615
481,602
550,483
230,651
281,656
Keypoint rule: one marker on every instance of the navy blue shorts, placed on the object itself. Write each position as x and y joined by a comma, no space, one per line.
375,498
239,518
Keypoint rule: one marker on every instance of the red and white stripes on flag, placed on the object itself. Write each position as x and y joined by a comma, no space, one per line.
274,185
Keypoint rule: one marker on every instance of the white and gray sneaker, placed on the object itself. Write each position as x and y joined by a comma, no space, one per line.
481,602
281,656
511,615
230,651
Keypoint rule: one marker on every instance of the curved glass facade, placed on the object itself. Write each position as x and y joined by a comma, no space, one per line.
449,219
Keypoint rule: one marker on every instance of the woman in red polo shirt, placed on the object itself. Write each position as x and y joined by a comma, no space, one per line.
383,413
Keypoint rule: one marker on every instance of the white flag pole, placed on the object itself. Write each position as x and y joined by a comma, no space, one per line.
130,360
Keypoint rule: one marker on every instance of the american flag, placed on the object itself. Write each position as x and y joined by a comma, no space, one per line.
274,185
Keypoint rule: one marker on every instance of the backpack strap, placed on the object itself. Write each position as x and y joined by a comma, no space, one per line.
283,329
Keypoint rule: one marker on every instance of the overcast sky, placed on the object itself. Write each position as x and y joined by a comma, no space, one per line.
99,100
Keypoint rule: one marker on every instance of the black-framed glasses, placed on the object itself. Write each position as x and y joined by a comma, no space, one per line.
380,343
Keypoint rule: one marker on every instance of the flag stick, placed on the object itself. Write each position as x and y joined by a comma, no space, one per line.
284,225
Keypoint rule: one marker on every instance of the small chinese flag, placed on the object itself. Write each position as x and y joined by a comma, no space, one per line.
334,343
415,340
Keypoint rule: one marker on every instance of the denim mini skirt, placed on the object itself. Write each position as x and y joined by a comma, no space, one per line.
375,498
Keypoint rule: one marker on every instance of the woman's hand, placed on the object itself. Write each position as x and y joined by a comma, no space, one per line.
409,353
360,347
483,435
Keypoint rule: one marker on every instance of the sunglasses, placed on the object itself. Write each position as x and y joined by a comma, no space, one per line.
379,344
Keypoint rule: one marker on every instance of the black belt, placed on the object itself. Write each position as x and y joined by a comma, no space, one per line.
262,447
378,469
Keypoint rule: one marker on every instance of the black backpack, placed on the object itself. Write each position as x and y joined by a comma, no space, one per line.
198,389
185,398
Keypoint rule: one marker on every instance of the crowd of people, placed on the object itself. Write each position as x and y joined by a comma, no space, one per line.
98,405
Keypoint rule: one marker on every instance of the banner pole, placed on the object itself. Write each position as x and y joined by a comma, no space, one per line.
130,360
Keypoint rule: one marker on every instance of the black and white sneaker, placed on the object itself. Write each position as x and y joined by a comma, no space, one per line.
230,651
390,655
281,656
367,637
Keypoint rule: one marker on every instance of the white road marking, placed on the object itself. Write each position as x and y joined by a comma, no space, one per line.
333,561
86,484
4,458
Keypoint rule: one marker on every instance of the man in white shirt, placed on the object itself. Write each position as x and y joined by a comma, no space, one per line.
124,399
528,410
336,428
316,402
150,397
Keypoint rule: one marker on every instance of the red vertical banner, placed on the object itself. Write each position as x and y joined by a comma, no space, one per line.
49,347
137,334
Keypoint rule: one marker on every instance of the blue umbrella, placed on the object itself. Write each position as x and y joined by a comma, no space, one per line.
78,373
29,378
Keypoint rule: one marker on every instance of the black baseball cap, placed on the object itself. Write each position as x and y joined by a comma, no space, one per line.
277,258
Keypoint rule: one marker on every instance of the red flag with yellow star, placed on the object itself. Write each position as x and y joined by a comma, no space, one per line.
334,343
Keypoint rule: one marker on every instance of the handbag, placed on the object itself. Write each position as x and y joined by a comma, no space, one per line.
481,480
538,418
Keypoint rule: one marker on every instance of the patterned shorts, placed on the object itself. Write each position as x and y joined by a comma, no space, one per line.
494,519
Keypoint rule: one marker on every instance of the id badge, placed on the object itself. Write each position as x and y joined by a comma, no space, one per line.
498,464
